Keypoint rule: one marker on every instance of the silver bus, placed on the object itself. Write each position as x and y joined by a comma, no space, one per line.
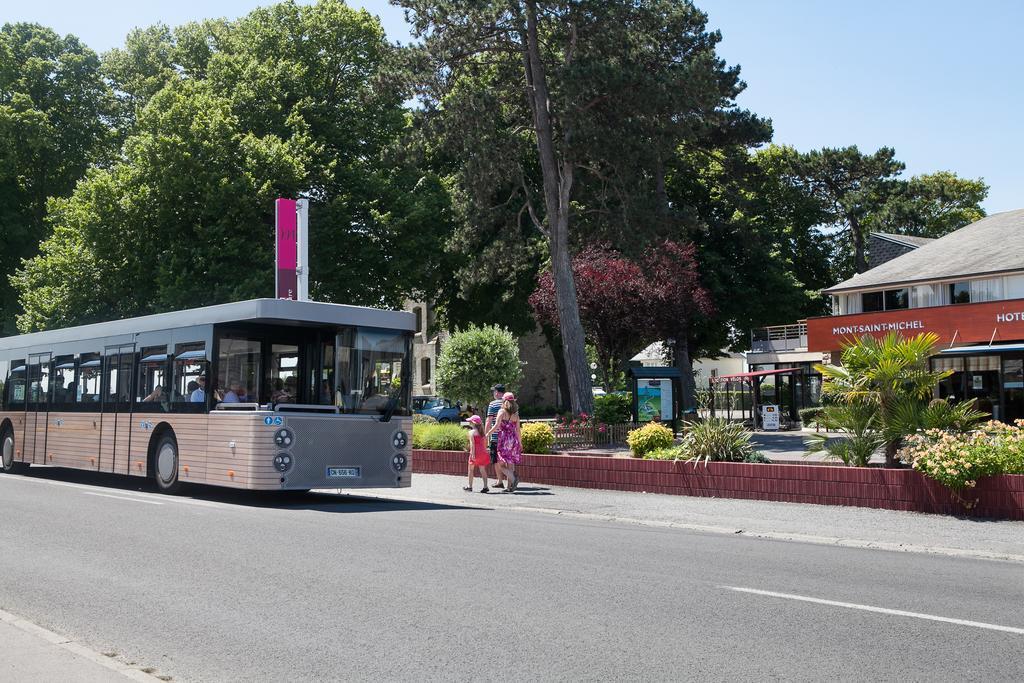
265,394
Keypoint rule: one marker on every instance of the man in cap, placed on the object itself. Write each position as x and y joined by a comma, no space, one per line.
492,413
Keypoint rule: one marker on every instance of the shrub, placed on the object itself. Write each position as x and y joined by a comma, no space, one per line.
809,416
421,419
717,439
958,460
861,434
670,453
613,408
650,437
538,437
438,437
476,359
757,457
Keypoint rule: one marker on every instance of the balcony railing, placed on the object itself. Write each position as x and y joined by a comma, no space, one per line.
779,338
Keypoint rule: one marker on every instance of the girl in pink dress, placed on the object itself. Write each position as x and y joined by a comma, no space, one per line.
510,445
479,456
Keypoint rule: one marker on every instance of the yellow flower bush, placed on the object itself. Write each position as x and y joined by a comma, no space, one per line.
538,437
650,437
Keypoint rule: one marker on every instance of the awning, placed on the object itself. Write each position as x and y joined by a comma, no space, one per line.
757,373
987,348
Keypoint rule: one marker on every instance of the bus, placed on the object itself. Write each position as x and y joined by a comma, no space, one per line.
267,394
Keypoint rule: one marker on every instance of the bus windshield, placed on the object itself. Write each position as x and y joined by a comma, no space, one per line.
372,369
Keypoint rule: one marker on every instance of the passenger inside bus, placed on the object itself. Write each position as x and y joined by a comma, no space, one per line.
199,394
155,395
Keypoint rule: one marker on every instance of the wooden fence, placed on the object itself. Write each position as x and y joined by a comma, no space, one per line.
579,437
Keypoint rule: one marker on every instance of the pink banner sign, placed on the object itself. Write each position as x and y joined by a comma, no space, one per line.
287,249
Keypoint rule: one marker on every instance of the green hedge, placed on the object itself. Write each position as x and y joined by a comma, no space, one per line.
613,409
440,437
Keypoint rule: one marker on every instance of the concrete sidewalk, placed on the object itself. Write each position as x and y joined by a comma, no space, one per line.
32,653
824,524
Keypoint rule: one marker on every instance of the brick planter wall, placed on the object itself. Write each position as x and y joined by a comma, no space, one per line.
1000,497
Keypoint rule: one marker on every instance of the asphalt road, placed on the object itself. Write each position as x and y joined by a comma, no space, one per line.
222,585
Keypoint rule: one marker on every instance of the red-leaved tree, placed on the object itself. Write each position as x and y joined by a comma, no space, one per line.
625,305
677,296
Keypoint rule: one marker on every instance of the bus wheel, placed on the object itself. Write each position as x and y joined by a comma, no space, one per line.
165,464
7,463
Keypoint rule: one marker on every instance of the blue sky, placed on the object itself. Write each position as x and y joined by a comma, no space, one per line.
939,80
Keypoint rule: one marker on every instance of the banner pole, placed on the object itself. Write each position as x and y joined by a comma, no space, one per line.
302,209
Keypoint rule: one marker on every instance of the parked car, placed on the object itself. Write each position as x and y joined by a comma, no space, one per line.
441,409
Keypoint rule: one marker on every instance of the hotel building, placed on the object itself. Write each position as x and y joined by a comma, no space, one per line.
966,287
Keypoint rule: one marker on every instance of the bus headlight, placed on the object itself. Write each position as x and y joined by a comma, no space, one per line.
399,462
399,440
282,462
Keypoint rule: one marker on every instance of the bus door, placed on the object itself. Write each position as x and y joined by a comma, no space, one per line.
37,407
115,428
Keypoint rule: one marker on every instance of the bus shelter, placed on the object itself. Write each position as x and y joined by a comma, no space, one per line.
740,396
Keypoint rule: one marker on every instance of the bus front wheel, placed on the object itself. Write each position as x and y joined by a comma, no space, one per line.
165,464
7,463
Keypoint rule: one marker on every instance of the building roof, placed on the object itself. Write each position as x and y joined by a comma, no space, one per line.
906,240
265,310
992,245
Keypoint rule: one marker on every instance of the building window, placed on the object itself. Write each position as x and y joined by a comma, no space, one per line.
924,295
1015,287
896,299
986,290
425,371
419,319
871,302
960,293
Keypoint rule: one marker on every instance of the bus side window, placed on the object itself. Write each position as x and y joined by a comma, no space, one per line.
16,384
88,389
64,387
152,390
5,367
190,370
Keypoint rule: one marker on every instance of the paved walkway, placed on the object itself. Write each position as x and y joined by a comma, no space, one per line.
835,525
32,653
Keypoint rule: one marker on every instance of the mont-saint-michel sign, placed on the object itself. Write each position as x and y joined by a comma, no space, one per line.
978,323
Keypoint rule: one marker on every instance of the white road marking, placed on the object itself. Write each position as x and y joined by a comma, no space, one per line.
879,610
130,500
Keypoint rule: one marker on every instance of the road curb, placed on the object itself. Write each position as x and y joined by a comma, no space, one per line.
77,648
724,530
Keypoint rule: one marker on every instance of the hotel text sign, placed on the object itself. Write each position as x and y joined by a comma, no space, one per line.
997,321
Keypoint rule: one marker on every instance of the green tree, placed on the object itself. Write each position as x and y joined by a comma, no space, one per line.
570,108
223,117
850,185
54,123
474,360
931,205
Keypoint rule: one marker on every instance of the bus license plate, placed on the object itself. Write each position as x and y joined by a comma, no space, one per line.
343,472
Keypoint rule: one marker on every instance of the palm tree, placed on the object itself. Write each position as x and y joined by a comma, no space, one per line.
892,376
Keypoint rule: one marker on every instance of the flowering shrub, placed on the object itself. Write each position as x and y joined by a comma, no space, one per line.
650,437
537,437
959,460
